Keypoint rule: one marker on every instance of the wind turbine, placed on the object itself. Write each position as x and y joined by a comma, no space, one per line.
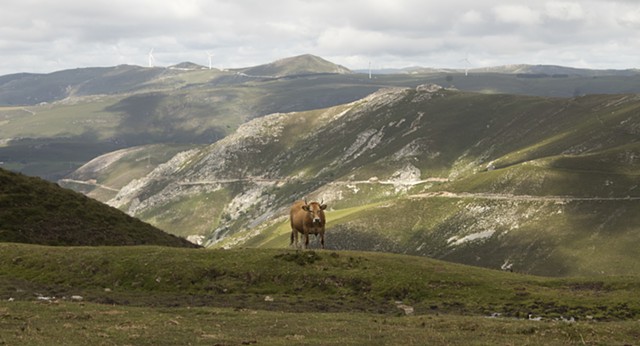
152,60
466,68
210,55
369,69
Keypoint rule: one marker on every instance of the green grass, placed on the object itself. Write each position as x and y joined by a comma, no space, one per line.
278,233
62,120
330,280
152,295
192,215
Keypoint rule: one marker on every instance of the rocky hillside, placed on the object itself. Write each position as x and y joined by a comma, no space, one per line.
537,185
38,212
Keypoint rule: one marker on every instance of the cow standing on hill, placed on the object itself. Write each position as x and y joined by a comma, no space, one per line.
307,218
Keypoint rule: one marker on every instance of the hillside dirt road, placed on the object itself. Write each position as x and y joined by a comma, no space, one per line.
512,197
437,194
89,183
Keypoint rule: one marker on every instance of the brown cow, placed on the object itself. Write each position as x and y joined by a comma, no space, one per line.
307,218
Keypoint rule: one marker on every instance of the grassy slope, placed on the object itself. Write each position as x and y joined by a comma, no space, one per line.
543,237
36,211
153,294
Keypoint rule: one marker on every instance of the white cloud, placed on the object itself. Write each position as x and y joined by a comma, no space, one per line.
564,10
350,41
517,14
631,18
40,35
472,17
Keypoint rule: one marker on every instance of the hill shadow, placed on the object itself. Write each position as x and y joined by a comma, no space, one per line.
54,158
146,119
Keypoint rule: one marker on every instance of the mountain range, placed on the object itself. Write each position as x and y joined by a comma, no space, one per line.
51,124
522,70
525,169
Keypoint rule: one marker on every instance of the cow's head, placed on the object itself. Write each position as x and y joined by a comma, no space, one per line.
315,210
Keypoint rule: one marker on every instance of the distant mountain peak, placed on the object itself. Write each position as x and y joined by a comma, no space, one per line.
297,65
304,58
187,65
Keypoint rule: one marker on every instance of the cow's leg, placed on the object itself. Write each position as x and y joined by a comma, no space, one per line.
322,239
306,240
293,234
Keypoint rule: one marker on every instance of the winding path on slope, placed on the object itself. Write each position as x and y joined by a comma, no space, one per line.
82,182
436,194
512,197
329,182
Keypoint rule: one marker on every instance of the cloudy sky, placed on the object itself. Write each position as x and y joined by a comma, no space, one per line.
44,36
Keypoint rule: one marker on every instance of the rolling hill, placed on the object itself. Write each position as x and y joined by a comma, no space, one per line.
54,123
541,71
33,89
524,70
537,185
27,89
294,66
39,212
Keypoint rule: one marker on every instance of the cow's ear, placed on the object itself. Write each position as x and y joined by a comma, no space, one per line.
323,206
305,207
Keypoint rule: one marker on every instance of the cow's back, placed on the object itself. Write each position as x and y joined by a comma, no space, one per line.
297,215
